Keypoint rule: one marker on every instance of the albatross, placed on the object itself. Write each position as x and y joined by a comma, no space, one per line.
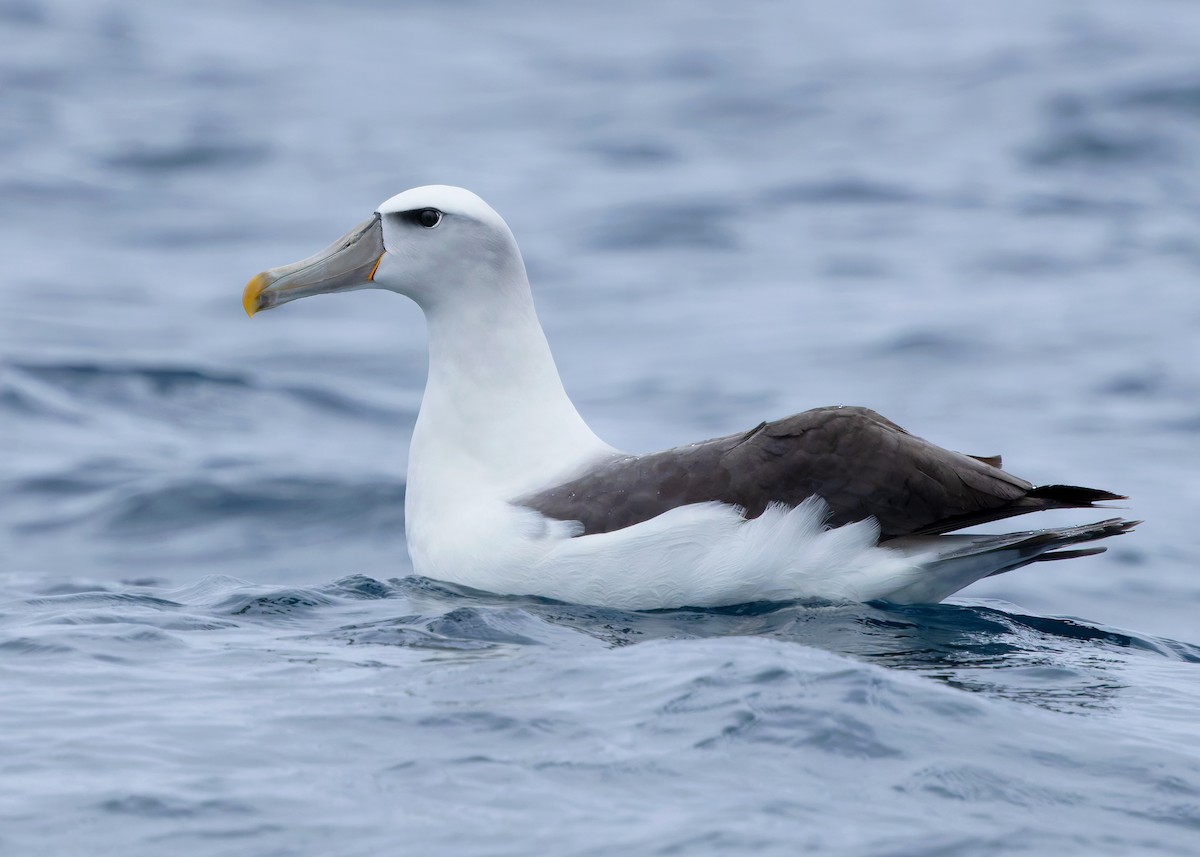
510,491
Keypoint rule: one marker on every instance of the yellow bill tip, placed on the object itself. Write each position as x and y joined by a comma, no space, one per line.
254,288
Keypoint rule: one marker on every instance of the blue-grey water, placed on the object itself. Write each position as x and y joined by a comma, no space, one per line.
981,219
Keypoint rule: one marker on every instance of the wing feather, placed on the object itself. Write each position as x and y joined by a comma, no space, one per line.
862,464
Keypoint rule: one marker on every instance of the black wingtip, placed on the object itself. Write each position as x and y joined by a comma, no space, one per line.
1073,495
1071,554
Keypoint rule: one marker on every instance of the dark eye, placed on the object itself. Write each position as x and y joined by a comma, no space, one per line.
429,217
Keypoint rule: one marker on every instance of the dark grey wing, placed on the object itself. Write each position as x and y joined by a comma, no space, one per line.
860,463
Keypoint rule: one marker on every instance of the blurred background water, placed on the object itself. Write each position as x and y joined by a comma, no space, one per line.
982,220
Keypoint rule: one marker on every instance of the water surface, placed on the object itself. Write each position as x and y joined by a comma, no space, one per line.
980,220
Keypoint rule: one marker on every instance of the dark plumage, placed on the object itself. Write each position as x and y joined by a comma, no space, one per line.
860,463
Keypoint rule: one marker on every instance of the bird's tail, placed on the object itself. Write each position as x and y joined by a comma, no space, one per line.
959,560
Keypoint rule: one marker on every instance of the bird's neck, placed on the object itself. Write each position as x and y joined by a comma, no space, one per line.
494,414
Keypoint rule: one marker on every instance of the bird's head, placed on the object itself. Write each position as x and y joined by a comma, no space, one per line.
428,243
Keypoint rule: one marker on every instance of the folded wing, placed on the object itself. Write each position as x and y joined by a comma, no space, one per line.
862,465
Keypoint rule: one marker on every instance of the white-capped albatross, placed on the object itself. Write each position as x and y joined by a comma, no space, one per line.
509,490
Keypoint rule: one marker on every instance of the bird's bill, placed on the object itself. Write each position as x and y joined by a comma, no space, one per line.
348,263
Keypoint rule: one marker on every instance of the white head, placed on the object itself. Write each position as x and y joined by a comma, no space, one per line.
434,244
441,241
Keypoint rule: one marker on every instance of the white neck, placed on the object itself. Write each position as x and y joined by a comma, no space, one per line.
495,416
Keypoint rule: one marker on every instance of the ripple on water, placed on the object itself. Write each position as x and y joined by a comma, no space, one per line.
843,191
1179,96
164,393
199,154
153,806
695,225
299,501
279,604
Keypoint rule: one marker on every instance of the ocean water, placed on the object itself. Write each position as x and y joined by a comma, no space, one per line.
982,220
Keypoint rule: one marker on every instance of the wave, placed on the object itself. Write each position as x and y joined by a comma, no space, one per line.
991,648
62,389
110,505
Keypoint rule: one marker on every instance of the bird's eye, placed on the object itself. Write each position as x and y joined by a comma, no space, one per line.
429,217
